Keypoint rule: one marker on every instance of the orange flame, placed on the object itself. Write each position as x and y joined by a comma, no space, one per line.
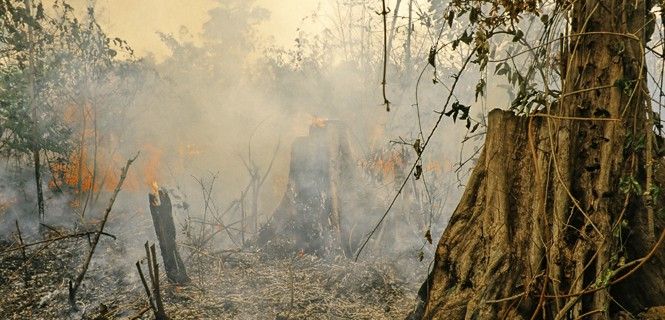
96,169
87,169
81,174
389,166
319,122
153,156
155,188
84,170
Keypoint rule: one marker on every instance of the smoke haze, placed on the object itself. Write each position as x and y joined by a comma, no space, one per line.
222,86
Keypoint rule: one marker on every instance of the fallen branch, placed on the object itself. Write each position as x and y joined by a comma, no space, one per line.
68,236
73,286
20,239
50,228
141,312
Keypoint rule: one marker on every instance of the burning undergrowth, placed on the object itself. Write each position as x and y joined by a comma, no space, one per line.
229,284
236,271
275,238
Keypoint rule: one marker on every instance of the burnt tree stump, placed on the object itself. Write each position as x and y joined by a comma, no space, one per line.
322,198
162,218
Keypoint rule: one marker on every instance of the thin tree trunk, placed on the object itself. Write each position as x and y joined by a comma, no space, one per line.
38,181
35,119
409,30
255,201
393,23
243,215
95,154
79,182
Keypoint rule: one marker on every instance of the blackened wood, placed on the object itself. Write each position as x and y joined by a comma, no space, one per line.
160,314
162,218
145,286
322,195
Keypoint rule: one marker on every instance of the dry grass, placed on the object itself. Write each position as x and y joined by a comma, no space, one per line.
230,285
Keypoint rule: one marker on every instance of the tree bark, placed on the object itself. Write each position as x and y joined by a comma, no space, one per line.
554,219
162,218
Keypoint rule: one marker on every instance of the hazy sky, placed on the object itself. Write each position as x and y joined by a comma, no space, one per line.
137,21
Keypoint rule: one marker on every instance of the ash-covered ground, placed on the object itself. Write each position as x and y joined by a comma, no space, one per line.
232,284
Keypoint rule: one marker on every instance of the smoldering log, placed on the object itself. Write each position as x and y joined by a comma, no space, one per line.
162,218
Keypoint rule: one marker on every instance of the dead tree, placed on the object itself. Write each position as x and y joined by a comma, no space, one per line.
162,218
256,181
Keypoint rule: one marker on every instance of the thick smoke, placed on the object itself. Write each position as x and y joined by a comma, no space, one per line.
231,101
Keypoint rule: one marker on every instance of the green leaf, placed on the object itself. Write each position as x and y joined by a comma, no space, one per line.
498,66
456,109
40,12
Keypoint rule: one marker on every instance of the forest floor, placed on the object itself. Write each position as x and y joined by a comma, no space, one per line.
225,285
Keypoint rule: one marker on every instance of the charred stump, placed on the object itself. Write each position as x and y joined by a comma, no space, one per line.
315,212
162,218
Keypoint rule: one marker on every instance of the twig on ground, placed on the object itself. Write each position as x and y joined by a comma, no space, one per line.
20,239
48,241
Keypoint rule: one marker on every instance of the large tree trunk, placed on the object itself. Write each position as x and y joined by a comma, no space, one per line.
559,205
